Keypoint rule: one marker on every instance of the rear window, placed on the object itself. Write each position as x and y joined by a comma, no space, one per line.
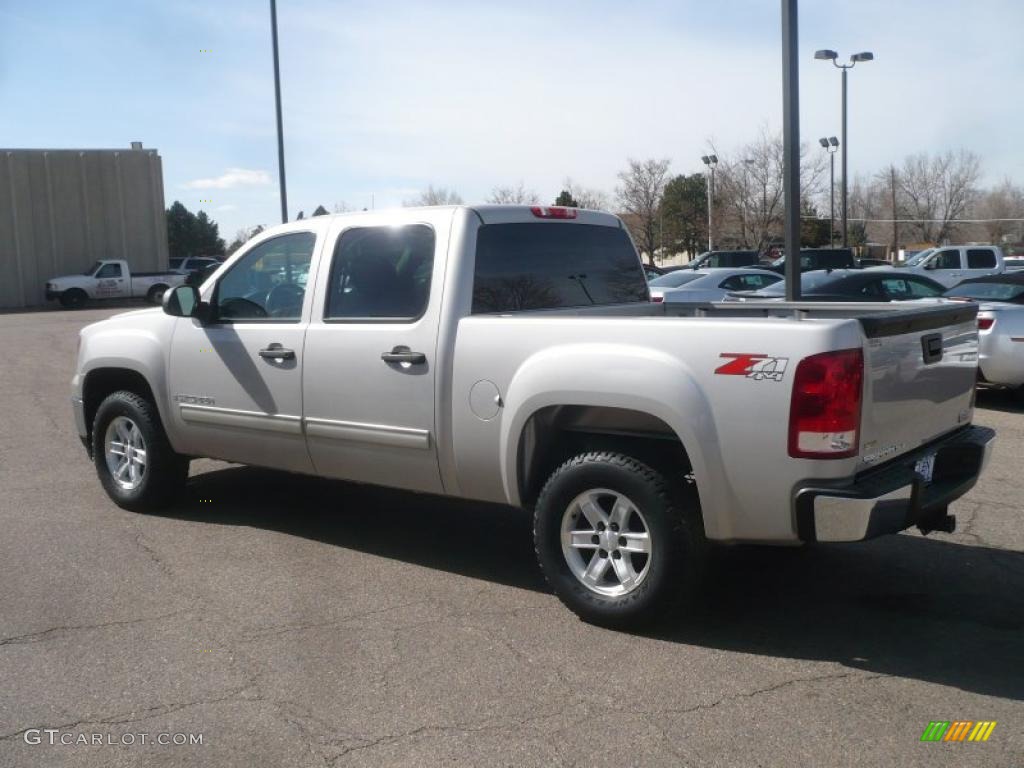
546,266
989,291
980,258
676,279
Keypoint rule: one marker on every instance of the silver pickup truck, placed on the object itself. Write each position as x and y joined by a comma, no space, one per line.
511,354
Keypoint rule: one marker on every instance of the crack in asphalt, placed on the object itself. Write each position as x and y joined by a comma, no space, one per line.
43,634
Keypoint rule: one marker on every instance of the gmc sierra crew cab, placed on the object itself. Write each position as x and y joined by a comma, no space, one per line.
511,354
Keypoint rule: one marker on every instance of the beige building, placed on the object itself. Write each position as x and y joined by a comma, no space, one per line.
62,209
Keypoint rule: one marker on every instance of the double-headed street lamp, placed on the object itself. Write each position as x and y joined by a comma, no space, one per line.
711,161
828,55
830,145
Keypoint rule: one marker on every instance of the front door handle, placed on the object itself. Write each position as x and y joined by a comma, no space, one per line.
277,352
403,354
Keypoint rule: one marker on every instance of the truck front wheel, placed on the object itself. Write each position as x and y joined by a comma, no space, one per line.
136,464
619,542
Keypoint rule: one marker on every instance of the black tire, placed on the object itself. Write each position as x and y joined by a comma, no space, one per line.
156,294
165,471
671,512
73,298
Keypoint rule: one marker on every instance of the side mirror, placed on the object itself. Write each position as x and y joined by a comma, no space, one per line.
182,301
931,265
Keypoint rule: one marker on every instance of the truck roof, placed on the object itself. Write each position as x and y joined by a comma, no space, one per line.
488,214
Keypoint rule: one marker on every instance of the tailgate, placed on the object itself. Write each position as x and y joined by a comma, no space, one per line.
920,368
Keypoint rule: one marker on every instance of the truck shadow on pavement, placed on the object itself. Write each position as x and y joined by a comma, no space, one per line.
907,606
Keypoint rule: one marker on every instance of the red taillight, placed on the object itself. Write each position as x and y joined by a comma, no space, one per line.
824,414
657,299
984,323
553,212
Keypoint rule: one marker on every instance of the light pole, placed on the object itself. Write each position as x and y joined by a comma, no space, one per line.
277,102
828,55
830,145
711,161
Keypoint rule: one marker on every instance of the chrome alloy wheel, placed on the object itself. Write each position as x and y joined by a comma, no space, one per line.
125,452
606,542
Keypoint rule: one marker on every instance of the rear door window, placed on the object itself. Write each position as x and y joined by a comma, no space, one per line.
981,258
381,274
551,265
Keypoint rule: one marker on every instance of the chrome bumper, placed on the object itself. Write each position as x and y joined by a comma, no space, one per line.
893,497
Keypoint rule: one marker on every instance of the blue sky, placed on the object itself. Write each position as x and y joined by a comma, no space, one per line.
383,98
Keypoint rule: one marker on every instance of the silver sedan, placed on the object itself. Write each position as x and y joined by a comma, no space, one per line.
1000,328
689,285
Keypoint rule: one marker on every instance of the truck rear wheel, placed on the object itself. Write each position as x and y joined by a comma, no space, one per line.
136,464
156,294
73,298
618,542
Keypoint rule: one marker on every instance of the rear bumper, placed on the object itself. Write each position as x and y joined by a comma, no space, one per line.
891,498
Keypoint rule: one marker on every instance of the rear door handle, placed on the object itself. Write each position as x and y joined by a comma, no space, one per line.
403,354
277,352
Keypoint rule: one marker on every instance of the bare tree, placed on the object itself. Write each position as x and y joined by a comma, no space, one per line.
639,192
586,197
936,190
749,185
1001,205
518,195
435,196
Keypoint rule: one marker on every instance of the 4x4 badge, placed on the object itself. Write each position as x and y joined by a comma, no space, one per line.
756,367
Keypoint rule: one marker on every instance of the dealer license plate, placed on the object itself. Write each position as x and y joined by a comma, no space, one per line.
925,467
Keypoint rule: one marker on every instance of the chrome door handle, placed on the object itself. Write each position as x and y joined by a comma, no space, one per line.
277,352
402,354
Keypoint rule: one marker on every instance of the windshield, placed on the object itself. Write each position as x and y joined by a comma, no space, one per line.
920,256
675,279
92,270
987,291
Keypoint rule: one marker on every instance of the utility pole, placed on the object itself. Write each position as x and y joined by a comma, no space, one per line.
791,146
895,217
280,130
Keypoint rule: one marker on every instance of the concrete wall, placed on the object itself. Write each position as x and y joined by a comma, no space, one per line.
62,209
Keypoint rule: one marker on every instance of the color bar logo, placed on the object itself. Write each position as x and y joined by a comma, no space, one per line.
958,730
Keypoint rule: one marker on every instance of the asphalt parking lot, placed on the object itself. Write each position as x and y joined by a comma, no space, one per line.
297,622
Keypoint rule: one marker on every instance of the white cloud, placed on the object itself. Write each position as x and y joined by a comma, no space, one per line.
232,177
228,207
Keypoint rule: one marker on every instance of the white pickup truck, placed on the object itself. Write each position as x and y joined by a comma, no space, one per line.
951,264
511,354
110,279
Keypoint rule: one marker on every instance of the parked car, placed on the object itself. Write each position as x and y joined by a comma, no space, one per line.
867,262
200,276
716,284
812,259
190,264
1012,263
670,280
110,279
855,285
952,264
1000,328
717,259
511,354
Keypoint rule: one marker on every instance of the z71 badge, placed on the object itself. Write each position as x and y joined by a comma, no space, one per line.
756,367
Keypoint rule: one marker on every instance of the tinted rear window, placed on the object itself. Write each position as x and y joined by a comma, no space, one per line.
980,258
990,291
546,266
